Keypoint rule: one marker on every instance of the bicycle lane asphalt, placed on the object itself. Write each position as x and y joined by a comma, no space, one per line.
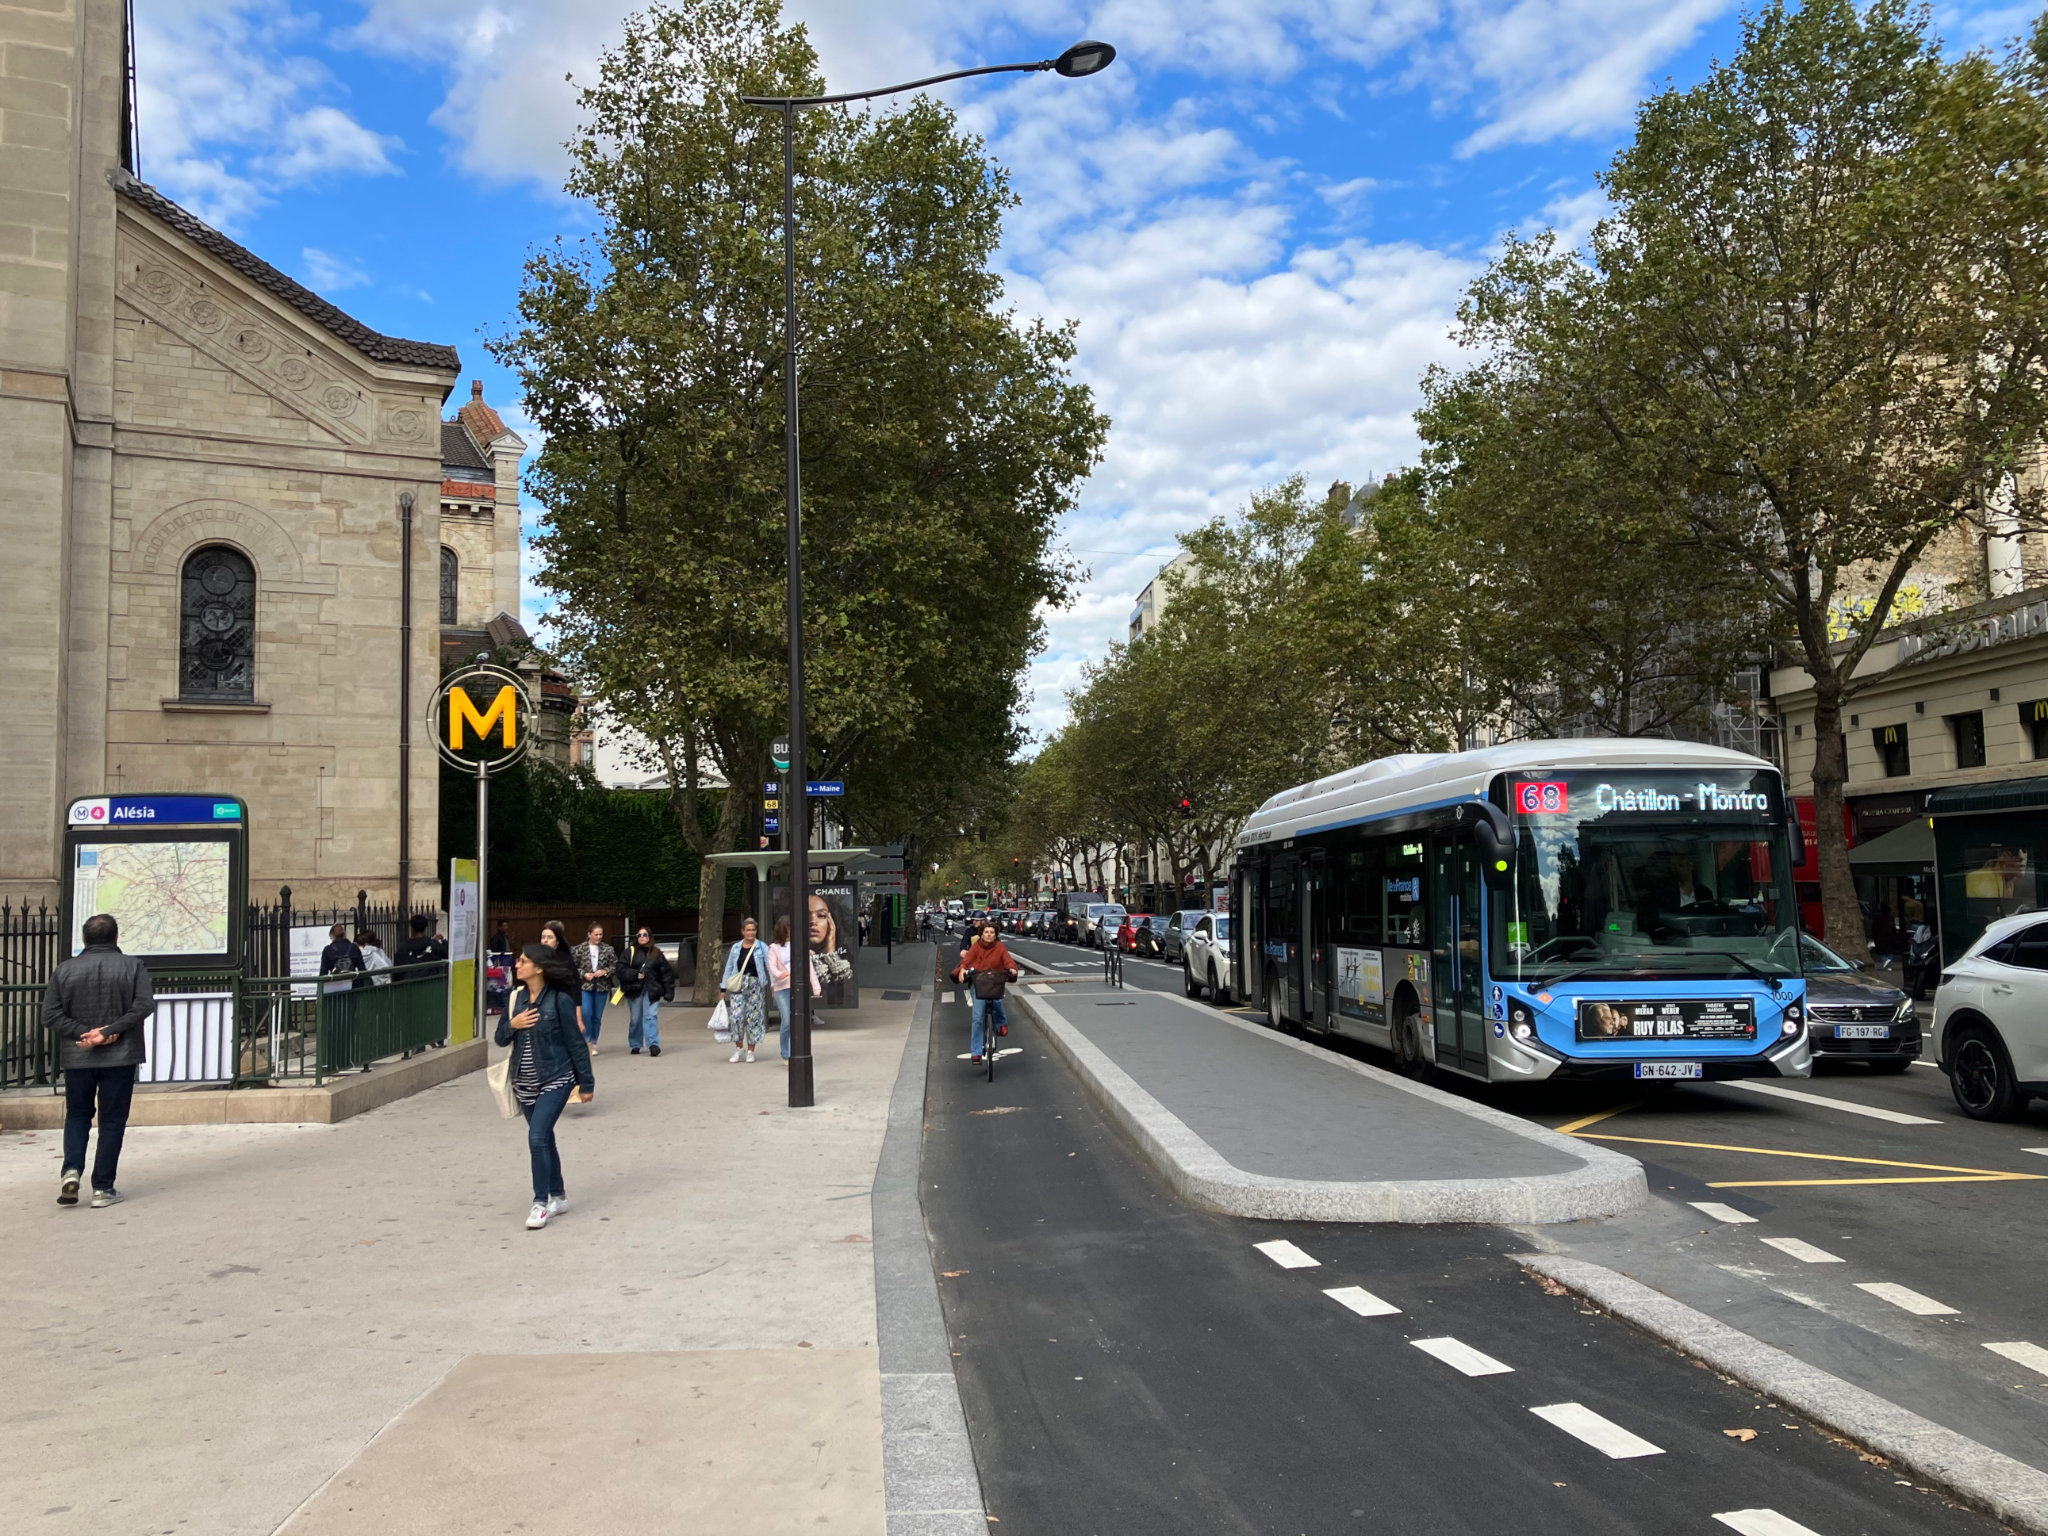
1773,1207
1130,1364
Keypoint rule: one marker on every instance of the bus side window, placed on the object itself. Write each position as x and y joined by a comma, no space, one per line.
1358,896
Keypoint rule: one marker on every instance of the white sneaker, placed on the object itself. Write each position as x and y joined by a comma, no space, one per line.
750,1055
739,1054
537,1217
557,1204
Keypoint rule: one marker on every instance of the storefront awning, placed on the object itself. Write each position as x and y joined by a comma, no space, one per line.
1907,850
1975,799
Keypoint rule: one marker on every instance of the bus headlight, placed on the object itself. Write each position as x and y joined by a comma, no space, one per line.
1792,1021
1523,1028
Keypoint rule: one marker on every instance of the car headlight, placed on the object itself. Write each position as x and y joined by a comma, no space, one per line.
1907,1014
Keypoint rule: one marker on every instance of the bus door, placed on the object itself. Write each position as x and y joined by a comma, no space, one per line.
1283,947
1315,949
1457,979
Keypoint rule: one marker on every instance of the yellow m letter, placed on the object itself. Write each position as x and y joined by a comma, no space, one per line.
460,709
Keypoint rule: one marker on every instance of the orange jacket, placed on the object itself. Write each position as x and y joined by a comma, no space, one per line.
985,957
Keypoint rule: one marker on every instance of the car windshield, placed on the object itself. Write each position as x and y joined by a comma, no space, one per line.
1819,957
1658,873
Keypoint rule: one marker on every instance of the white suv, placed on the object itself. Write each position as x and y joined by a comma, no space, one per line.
1991,1017
1205,957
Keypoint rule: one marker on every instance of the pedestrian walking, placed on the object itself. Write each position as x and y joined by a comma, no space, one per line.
648,981
95,1005
556,936
422,946
598,964
778,976
549,1059
374,959
988,968
746,988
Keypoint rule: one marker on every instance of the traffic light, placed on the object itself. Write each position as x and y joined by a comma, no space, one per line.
1187,809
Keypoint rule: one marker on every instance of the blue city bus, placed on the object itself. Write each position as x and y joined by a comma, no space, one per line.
1591,909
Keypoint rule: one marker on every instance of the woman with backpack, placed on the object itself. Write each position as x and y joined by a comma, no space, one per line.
550,1058
987,966
648,981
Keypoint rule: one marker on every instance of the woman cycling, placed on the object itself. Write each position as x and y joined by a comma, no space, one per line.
987,966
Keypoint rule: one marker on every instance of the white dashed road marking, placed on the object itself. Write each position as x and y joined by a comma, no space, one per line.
2032,1356
1286,1255
1720,1212
1604,1435
1763,1522
1039,987
1362,1301
1910,1301
1844,1105
1462,1357
2037,1151
1800,1249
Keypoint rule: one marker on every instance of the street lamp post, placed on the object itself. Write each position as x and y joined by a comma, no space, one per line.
1084,58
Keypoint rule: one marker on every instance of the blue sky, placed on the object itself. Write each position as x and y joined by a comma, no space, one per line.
1262,215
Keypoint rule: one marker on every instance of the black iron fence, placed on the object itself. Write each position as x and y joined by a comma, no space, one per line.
259,1024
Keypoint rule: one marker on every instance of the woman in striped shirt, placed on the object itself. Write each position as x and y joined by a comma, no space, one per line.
549,1058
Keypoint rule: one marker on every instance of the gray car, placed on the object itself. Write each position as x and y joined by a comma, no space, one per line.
1178,927
1854,1014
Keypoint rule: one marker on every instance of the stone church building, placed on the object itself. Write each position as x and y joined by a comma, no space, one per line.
206,473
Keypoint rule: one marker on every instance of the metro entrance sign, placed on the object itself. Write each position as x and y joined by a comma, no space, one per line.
482,721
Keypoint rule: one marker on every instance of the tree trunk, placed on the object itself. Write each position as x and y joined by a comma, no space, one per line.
1839,906
711,904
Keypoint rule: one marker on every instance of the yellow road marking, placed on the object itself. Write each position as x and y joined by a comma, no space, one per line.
1577,1126
1969,1175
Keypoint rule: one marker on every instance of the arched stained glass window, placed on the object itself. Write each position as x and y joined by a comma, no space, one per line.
451,579
217,627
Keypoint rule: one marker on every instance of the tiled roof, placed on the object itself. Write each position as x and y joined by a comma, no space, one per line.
482,421
372,344
458,451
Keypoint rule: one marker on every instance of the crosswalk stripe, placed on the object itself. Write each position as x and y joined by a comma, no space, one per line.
1800,1249
1720,1212
1604,1435
1907,1300
2032,1356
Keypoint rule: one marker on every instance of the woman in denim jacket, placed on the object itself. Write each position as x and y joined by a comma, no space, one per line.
746,1004
550,1057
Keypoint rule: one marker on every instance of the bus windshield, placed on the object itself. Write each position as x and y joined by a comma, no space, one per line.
1645,875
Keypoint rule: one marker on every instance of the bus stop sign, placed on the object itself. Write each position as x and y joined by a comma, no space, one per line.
482,719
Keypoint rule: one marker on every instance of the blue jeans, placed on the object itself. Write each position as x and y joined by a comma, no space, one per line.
989,1010
643,1021
541,1116
114,1087
782,1007
593,1013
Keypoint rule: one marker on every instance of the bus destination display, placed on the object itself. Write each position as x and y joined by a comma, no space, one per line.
1668,1018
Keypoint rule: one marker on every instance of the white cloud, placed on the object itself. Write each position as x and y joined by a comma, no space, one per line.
330,274
226,104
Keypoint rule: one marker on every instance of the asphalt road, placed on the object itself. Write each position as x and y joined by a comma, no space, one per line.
1129,1364
1931,1208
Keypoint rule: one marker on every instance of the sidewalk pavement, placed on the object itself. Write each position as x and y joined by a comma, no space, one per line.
1253,1123
347,1329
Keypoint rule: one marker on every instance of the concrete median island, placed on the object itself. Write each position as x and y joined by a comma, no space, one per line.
1251,1123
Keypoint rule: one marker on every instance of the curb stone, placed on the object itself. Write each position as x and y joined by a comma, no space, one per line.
930,1485
1604,1184
1989,1480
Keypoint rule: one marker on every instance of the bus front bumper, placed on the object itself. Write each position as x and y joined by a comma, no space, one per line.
1531,1061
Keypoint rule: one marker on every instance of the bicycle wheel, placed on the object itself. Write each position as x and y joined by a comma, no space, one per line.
988,1044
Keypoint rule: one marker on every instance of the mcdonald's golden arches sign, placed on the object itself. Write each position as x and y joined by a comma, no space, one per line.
481,718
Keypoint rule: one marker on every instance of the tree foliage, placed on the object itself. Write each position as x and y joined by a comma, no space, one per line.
941,437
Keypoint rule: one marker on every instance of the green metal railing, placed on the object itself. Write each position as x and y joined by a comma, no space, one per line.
252,1030
384,1013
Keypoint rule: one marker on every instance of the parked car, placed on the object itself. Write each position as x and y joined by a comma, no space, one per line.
1178,927
1205,958
1093,918
1991,1016
1854,1014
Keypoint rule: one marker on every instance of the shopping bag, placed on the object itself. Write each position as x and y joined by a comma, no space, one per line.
720,1021
498,1078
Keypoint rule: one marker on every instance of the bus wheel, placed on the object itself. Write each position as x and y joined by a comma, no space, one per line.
1275,1020
1408,1044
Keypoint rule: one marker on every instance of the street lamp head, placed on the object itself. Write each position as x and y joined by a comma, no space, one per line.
1084,59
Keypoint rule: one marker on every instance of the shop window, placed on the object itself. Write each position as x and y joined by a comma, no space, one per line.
1969,734
2034,716
1892,754
217,627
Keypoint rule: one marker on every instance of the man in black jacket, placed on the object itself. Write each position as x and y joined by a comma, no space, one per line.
95,1006
422,946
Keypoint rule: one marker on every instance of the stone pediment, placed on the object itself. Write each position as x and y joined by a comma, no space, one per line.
234,330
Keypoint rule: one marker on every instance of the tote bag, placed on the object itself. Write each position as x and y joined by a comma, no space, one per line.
498,1075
